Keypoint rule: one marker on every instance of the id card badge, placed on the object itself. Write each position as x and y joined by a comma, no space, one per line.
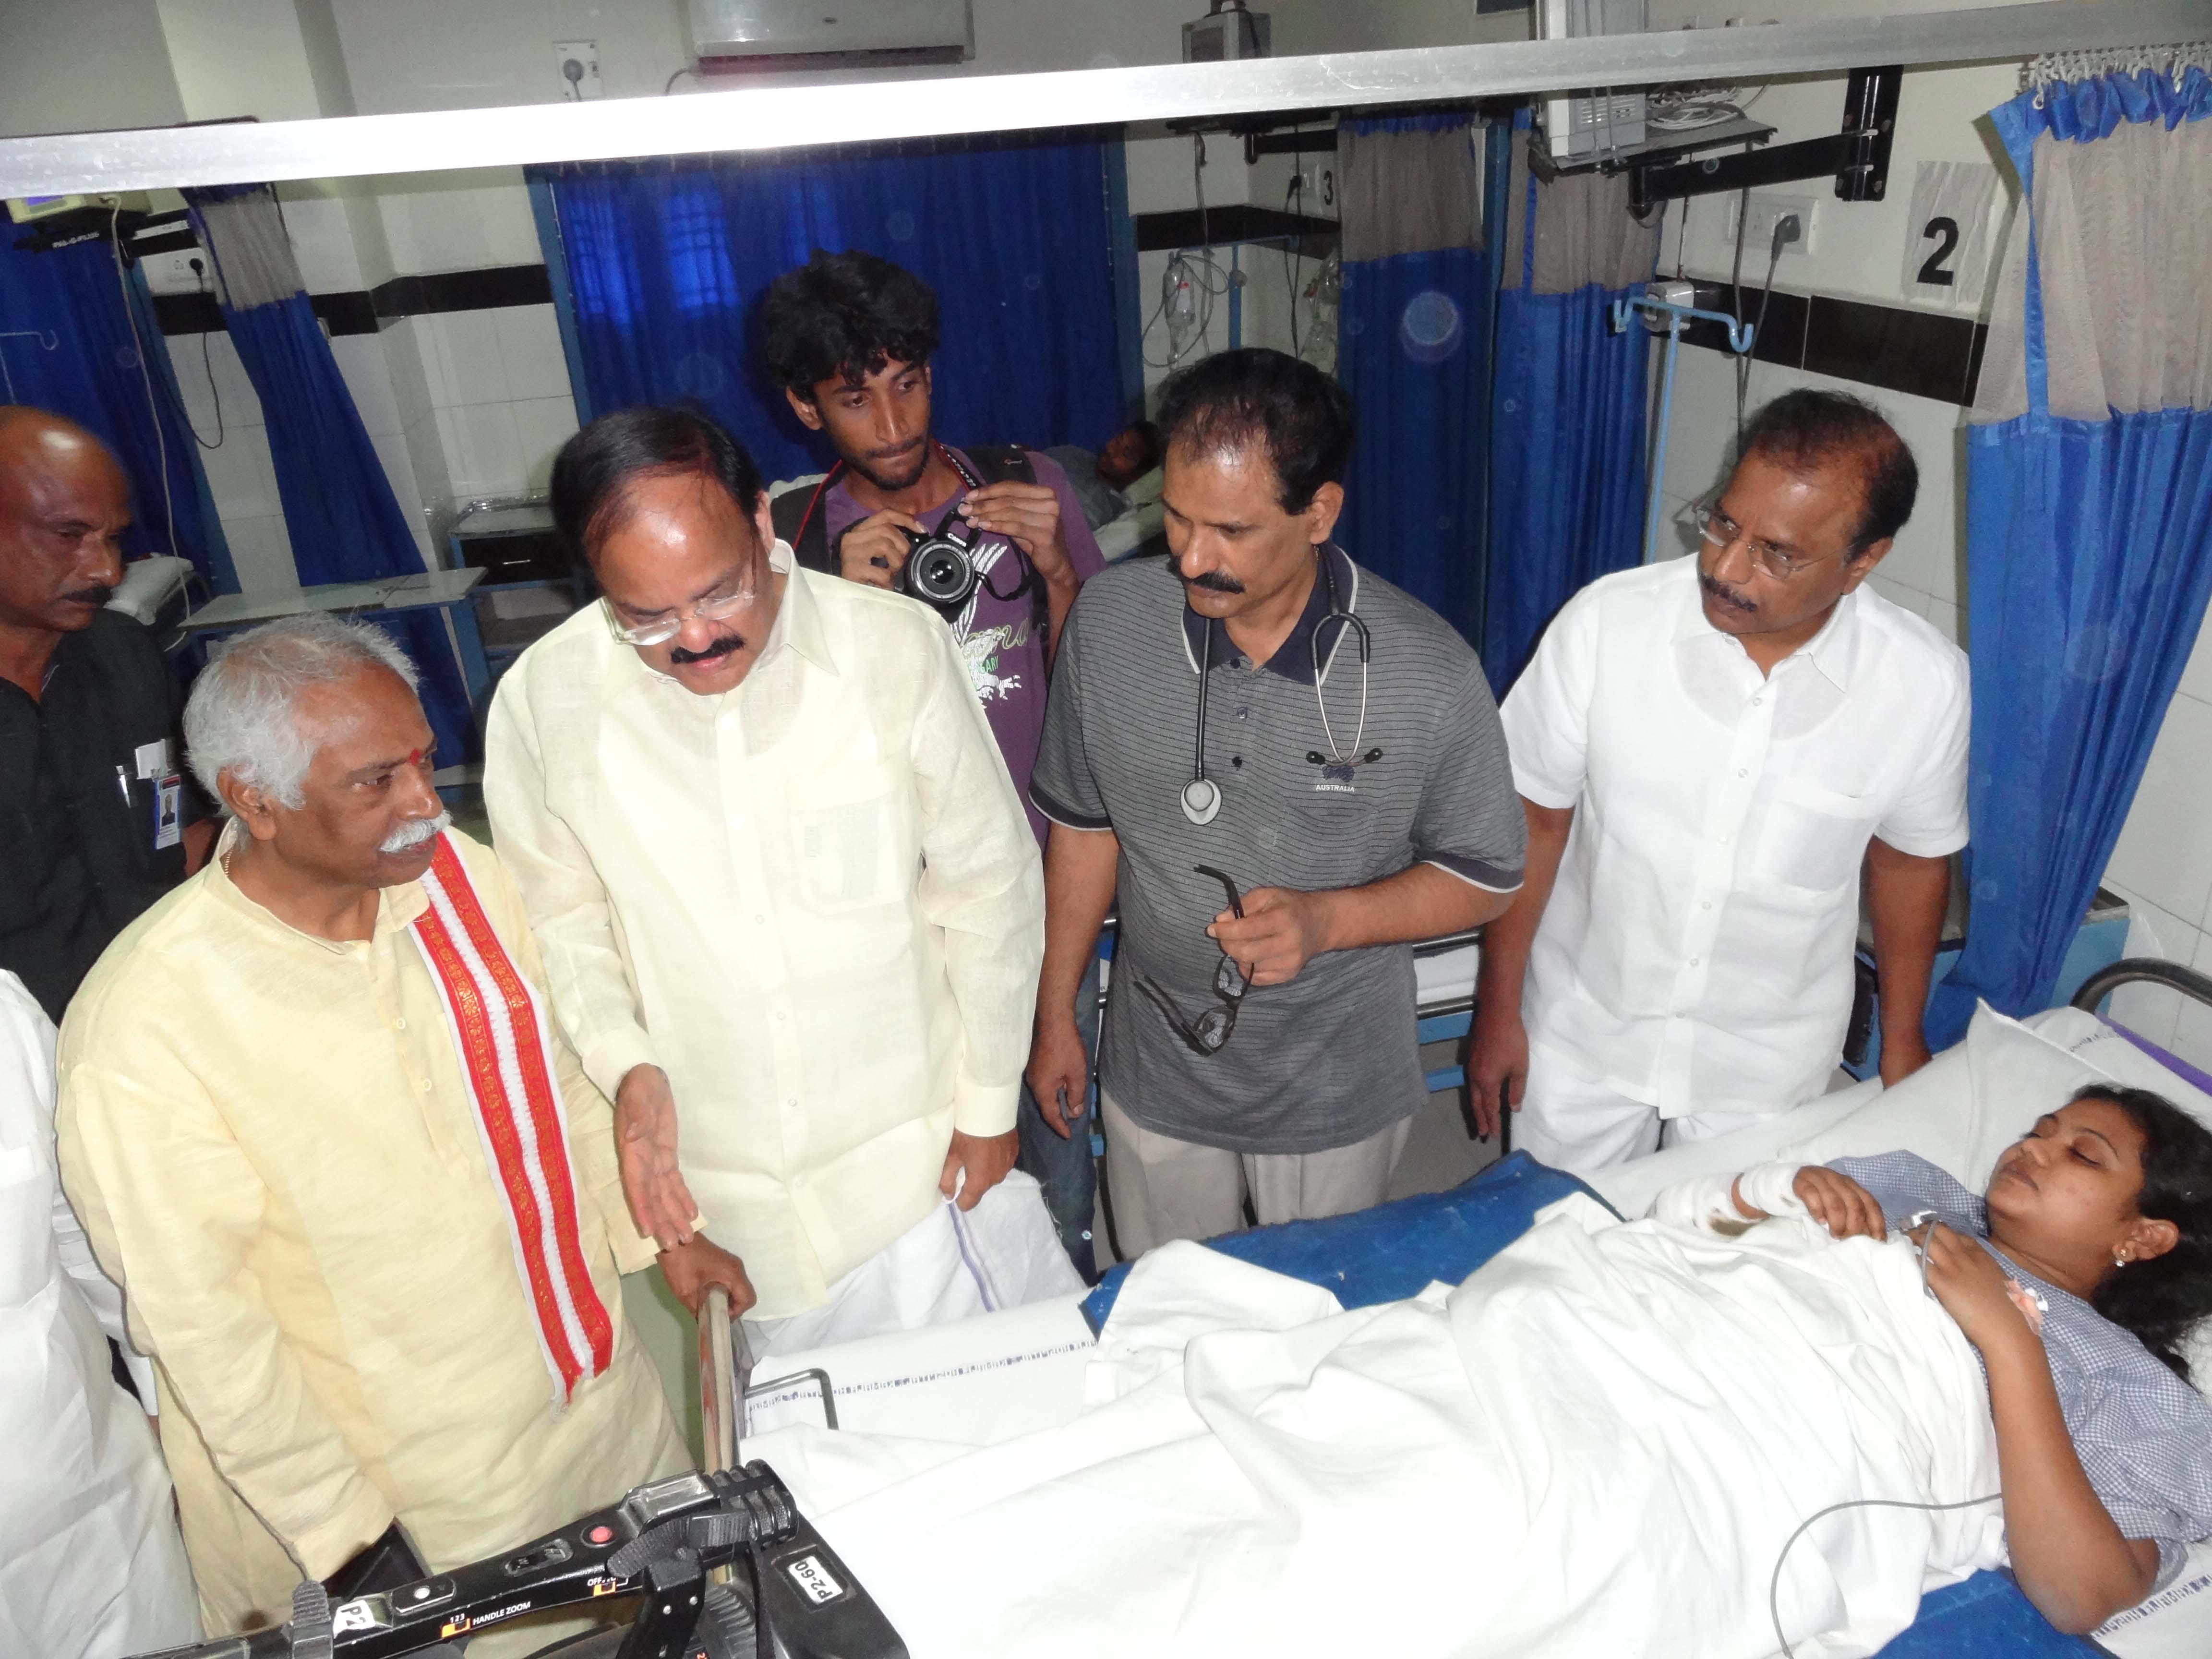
169,811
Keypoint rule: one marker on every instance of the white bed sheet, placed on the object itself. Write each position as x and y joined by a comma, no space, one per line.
1960,1111
989,1381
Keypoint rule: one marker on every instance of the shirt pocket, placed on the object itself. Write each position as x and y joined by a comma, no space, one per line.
849,838
1815,837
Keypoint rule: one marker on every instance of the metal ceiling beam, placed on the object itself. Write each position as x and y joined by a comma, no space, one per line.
771,117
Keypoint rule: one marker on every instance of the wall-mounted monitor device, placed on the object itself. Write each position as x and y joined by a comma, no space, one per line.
28,210
1590,123
1226,35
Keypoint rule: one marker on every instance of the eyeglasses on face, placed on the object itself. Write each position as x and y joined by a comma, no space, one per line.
716,607
1721,531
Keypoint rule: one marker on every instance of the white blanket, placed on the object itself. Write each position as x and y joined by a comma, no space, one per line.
1599,1443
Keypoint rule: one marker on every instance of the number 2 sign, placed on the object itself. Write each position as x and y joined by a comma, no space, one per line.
1947,247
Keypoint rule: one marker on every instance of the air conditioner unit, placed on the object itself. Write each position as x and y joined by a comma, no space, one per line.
736,33
1590,125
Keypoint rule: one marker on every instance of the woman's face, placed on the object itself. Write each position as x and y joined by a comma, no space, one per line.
2072,1183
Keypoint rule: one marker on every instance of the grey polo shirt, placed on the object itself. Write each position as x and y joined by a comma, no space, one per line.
1330,1058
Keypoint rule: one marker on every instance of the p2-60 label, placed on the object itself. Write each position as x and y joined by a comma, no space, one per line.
815,1581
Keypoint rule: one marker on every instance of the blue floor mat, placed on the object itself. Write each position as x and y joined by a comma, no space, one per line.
1394,1250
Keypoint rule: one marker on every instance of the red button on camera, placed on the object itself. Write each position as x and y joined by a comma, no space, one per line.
602,1534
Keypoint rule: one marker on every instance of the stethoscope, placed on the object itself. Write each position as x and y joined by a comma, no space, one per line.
1201,796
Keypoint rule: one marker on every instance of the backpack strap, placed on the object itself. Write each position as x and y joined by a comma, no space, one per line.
801,520
1002,463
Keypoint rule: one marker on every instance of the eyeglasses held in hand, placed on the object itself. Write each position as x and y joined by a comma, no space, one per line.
1212,1030
715,608
1718,528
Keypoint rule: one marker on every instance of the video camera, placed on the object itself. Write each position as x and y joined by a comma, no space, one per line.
796,1600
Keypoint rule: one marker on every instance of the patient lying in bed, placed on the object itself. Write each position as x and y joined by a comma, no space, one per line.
1606,1440
2076,1277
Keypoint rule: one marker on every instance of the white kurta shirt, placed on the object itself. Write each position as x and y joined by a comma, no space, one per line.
91,1566
269,1139
1695,953
813,901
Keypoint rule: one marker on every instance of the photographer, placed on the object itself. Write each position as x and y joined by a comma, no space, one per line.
849,337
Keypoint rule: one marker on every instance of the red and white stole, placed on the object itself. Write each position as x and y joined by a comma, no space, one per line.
506,1062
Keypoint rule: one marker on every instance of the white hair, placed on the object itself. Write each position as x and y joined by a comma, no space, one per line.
241,716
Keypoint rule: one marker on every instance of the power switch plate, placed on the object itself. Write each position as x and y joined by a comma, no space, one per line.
577,64
1758,226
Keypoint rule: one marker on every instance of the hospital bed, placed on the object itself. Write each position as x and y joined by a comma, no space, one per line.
992,1379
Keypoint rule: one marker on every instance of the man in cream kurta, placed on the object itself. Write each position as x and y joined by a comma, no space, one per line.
268,1138
810,899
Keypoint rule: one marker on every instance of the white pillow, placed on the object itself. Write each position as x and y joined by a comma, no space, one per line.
2084,1035
1965,1106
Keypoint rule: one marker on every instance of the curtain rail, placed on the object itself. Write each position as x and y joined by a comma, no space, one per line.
774,117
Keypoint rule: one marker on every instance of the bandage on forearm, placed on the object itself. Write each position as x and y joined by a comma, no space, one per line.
1709,1203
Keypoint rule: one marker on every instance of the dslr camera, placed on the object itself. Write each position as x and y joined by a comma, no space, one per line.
940,567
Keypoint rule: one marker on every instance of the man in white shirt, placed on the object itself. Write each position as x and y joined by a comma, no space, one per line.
91,1567
1707,749
786,892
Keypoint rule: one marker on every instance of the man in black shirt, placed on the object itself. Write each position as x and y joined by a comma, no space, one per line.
96,820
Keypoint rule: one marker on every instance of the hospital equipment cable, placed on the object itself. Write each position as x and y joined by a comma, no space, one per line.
1774,1584
145,370
1786,231
1735,300
207,367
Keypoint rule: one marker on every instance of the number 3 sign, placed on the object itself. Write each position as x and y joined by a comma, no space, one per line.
1946,247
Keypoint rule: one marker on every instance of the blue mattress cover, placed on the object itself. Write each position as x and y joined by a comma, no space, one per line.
1393,1251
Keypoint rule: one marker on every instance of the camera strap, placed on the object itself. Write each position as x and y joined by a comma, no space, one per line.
801,519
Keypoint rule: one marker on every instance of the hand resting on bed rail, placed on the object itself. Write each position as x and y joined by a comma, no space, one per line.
2074,1277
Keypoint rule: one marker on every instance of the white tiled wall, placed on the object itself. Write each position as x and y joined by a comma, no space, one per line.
239,474
494,398
2163,867
218,399
460,221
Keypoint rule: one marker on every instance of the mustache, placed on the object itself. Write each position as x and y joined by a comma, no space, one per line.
1213,582
409,836
94,595
1726,596
720,649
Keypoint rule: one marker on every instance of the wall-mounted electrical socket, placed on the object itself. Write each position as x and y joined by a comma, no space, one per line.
172,273
578,62
1317,189
1758,224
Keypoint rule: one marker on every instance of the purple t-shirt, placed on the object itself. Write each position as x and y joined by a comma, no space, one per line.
1001,641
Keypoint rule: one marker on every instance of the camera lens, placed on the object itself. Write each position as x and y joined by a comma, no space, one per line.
940,572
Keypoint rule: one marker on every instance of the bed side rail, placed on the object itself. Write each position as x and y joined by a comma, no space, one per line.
2130,970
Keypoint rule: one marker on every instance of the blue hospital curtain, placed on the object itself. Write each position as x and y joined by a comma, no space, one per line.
1568,438
2088,507
665,260
96,375
344,522
1413,350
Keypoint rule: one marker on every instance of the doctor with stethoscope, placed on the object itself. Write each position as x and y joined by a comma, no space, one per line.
1287,769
